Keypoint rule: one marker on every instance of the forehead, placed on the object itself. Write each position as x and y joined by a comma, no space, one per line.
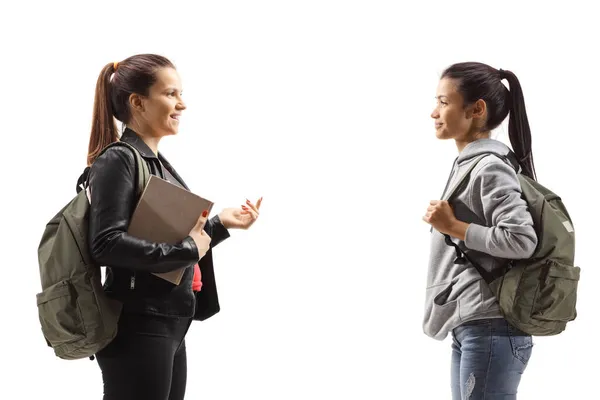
167,78
449,88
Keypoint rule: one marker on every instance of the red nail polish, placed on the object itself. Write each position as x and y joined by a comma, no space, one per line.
205,213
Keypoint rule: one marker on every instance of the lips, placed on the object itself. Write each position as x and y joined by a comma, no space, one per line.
438,125
175,116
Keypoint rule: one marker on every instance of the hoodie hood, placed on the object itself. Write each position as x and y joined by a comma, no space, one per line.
482,146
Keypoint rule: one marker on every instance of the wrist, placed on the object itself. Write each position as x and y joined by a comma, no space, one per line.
220,217
458,229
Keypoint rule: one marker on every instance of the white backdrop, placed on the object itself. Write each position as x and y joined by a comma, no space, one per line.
322,107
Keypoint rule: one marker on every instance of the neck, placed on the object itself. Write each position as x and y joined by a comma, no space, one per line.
462,143
147,137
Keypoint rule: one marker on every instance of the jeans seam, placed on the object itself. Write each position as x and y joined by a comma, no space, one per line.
518,353
516,350
489,366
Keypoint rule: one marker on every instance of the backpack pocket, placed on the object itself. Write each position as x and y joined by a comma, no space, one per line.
556,295
60,314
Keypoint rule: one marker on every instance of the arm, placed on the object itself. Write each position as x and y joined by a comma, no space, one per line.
216,230
113,199
509,232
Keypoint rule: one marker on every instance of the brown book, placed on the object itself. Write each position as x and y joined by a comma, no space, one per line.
166,213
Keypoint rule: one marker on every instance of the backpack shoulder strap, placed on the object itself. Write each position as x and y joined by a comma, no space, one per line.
513,161
461,256
143,172
462,178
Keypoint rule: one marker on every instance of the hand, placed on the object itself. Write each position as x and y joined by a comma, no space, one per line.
200,237
441,216
240,218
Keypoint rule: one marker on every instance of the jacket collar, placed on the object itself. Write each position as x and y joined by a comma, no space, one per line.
132,138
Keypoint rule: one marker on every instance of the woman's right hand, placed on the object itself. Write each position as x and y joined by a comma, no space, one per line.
200,237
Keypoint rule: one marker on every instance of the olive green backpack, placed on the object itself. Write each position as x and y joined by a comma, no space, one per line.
537,295
76,317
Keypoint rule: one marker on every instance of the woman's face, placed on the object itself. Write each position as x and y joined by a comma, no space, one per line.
452,119
159,112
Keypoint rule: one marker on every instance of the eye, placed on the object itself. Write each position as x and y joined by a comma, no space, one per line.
440,102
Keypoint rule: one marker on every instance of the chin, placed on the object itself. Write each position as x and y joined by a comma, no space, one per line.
170,132
441,135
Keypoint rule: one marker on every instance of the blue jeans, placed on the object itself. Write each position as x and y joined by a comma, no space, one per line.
488,358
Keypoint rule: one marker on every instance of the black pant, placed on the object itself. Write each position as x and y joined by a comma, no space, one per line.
146,360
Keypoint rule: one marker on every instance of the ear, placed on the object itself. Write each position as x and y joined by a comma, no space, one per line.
479,109
136,102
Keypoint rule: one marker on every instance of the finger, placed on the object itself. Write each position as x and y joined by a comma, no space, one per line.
434,202
426,219
202,220
431,208
258,203
250,211
252,206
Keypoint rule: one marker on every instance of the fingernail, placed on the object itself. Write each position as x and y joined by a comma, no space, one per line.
205,213
244,207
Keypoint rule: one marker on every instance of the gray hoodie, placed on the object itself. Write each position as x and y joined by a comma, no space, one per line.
500,229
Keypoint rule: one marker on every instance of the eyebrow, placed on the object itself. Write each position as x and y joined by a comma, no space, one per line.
440,96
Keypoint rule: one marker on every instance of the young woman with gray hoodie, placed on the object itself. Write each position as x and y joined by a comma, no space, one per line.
487,218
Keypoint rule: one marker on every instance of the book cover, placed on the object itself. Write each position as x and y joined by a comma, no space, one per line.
166,213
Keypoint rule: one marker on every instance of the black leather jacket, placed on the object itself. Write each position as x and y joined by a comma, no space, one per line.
130,261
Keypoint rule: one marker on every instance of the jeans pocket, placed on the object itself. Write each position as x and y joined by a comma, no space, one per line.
522,346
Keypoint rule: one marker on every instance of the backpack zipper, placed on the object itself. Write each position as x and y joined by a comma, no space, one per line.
132,282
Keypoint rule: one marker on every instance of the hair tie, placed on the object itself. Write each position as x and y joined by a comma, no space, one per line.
502,73
115,65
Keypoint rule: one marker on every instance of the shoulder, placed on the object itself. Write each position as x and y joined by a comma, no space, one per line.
493,174
493,166
117,158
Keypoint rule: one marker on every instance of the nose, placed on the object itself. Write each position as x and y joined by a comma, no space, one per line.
181,105
435,114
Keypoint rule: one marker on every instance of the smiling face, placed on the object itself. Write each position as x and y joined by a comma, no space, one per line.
160,110
452,119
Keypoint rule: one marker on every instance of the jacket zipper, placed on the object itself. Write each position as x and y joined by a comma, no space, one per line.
132,282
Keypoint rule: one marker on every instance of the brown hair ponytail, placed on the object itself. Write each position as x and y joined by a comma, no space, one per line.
104,131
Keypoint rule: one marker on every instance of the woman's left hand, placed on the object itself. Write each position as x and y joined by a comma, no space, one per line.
240,218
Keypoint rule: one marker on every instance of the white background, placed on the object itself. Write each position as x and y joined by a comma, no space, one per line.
322,107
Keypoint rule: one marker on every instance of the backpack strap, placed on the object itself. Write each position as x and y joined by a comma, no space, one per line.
461,256
142,170
448,195
512,159
82,181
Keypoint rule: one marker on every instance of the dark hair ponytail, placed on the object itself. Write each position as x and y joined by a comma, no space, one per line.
519,132
480,81
104,131
133,75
